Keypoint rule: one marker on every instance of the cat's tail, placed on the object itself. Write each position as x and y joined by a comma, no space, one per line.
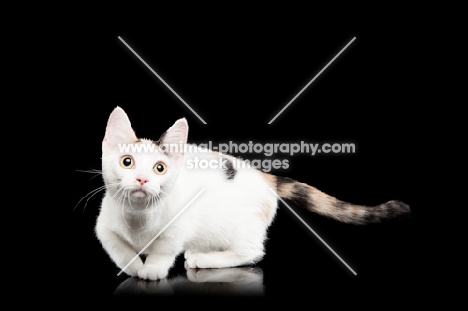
316,201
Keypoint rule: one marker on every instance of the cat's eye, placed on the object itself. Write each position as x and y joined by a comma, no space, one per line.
126,162
159,168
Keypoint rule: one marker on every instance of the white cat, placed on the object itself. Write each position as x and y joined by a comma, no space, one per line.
225,226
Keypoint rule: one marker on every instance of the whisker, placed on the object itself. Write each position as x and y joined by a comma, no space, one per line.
120,203
121,189
91,171
128,199
121,194
94,191
159,201
147,201
152,201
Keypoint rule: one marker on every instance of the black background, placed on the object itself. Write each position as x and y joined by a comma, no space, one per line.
237,72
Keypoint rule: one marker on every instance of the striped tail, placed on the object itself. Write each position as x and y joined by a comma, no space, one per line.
316,201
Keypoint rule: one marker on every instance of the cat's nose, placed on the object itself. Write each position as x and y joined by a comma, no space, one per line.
142,180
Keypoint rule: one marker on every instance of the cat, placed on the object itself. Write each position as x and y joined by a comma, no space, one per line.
225,226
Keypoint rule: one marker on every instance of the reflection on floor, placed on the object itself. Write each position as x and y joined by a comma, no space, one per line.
242,281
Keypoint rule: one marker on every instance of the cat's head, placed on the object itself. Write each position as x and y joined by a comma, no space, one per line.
139,170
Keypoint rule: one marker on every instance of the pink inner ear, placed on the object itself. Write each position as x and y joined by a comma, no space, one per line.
176,134
118,130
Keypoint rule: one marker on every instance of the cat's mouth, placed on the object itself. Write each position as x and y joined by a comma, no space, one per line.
138,193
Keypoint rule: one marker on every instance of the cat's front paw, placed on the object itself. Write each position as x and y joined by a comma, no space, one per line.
152,272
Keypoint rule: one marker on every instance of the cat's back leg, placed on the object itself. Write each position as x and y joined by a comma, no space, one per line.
245,248
222,259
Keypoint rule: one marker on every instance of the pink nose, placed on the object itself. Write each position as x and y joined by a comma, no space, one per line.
141,180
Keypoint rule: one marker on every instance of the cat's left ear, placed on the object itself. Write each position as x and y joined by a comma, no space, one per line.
175,137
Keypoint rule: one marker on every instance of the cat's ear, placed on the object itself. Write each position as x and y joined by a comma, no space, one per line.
175,137
118,130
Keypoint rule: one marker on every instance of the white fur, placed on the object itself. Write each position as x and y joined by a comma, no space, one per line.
224,227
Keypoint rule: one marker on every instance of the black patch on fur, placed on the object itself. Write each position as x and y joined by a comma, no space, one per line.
162,148
340,205
301,195
283,180
387,211
161,138
397,209
372,216
229,169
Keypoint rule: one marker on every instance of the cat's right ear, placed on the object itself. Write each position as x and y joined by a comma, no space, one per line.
118,130
176,136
